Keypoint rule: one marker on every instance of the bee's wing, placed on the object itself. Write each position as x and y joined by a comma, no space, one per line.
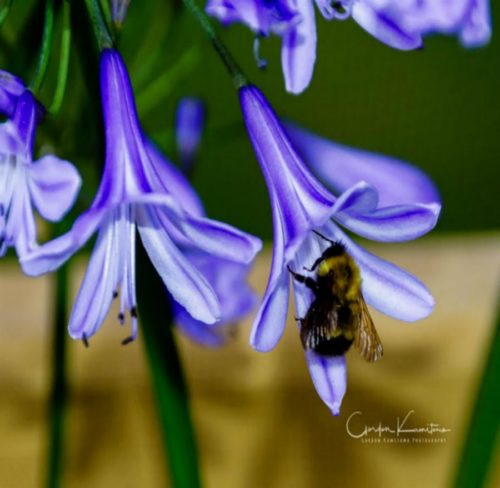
366,339
318,326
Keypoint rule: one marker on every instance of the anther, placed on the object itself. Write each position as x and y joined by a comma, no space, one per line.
115,294
127,340
133,312
85,340
121,318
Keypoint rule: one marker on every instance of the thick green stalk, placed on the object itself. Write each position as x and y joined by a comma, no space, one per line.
482,437
62,74
168,380
239,79
43,59
58,395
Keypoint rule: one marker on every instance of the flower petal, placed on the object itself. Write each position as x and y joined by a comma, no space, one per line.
54,185
392,224
185,283
11,88
236,298
269,324
53,254
96,291
384,27
329,376
476,31
164,177
340,167
386,287
359,198
298,49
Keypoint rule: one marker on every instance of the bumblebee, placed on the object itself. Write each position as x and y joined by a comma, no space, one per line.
338,315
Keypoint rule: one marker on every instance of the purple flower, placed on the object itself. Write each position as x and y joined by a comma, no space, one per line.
50,185
300,206
397,23
132,196
340,167
227,277
189,121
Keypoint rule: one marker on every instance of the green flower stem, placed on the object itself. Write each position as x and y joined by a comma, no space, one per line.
167,376
237,75
479,446
103,37
62,74
58,395
43,59
4,11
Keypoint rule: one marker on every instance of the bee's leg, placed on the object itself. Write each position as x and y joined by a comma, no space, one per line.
309,282
315,265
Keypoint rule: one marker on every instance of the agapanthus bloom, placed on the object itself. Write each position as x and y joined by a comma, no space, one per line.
301,209
397,23
132,197
49,184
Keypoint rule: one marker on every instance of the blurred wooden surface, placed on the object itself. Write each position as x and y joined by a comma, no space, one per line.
259,420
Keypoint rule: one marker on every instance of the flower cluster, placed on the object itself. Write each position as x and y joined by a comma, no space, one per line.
321,193
400,24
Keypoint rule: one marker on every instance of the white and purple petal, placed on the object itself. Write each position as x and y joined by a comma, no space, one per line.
54,185
340,167
386,287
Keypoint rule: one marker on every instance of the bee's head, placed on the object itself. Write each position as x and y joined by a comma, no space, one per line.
336,249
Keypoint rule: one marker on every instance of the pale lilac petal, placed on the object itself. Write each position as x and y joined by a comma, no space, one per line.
54,185
165,177
53,254
298,50
359,198
94,298
386,287
184,282
329,376
340,167
392,224
385,28
269,324
476,31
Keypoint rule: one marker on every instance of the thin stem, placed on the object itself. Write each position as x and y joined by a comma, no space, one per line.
62,74
4,11
58,393
43,59
239,79
479,446
168,380
103,37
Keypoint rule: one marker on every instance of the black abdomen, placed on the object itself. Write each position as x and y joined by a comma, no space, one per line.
337,346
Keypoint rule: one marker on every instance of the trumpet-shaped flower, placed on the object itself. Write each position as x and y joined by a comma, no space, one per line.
400,24
132,196
49,184
301,208
227,277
